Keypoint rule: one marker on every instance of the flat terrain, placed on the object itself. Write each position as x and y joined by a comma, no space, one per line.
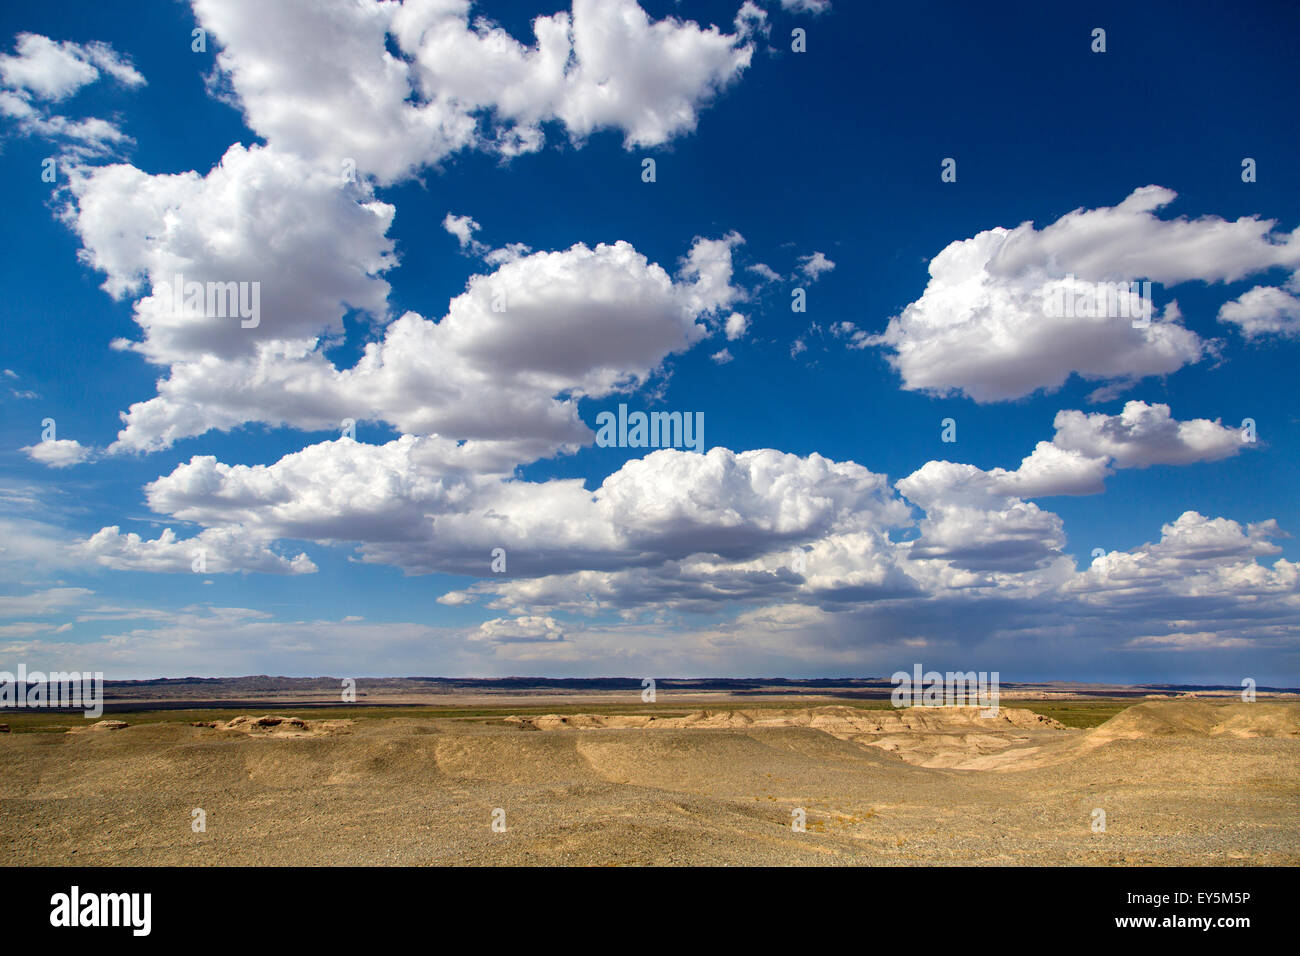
1185,781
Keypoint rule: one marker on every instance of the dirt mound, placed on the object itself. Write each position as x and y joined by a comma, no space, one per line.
1196,718
273,726
950,737
834,720
100,726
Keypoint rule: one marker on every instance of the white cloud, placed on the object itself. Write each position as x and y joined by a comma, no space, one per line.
708,269
224,550
977,526
519,630
765,272
736,326
44,71
406,507
85,139
59,453
722,356
1129,241
1085,450
507,363
857,338
314,245
1199,561
1143,435
1052,470
751,20
983,326
48,70
340,94
813,266
462,227
815,7
1264,310
977,520
679,532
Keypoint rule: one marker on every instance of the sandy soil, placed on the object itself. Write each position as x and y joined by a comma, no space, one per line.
1181,782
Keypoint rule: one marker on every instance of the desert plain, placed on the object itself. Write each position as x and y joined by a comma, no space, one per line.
591,780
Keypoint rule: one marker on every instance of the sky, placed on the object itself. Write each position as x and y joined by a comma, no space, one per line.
834,237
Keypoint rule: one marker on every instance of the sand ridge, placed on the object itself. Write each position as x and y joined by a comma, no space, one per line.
277,726
966,738
925,736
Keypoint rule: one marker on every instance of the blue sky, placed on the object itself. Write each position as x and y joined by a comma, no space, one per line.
226,163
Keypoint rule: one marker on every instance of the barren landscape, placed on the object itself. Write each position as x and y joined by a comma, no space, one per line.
1180,781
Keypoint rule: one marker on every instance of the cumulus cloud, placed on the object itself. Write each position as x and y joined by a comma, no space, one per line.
290,221
59,452
314,247
604,318
995,563
463,228
689,533
708,270
1085,450
814,265
978,520
736,326
44,71
338,93
50,70
973,524
214,551
805,549
601,319
519,630
406,507
985,326
1200,566
1143,435
1265,311
508,362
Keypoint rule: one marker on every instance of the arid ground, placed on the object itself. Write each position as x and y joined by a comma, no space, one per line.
1180,781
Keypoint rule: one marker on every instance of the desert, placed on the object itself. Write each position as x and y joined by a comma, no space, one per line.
550,781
